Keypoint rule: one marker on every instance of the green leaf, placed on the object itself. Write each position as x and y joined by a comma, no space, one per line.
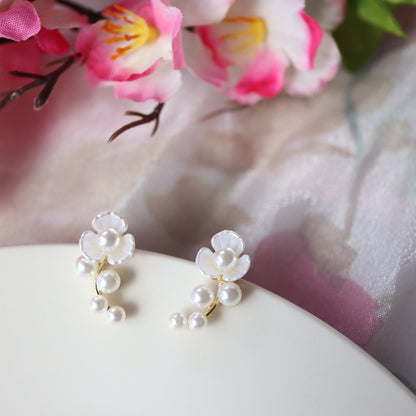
401,1
357,40
378,14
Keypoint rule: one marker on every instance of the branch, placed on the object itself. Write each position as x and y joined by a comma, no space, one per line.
143,119
48,81
92,15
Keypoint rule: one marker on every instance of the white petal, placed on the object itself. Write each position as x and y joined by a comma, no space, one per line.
107,220
240,269
327,64
329,13
228,239
89,247
204,260
123,251
197,12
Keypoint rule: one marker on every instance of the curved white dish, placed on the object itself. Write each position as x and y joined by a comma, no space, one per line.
262,357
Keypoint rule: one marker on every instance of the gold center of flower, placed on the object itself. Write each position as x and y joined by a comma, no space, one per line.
244,35
133,34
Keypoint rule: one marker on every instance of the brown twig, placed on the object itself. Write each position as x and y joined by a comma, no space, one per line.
48,81
92,15
144,119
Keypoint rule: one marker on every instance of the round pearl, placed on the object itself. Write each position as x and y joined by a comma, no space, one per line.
108,281
98,304
85,267
197,321
108,239
225,259
116,314
177,321
202,296
229,294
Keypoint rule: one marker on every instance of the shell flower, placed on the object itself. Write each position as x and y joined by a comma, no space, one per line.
225,261
109,241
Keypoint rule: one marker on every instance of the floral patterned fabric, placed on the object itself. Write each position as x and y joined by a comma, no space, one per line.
322,189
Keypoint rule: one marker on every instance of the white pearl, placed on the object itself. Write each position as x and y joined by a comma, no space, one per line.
225,259
116,314
229,294
98,304
202,296
177,321
108,281
85,267
108,239
197,321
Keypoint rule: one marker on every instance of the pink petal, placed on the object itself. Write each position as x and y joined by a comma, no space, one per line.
53,17
197,12
199,60
52,41
19,22
263,77
327,64
159,85
315,32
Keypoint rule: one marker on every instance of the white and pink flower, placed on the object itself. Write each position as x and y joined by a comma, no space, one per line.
137,49
261,48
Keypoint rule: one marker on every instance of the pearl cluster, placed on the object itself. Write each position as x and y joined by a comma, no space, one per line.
225,266
108,245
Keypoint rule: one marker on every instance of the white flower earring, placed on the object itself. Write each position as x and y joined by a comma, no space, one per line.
226,265
108,245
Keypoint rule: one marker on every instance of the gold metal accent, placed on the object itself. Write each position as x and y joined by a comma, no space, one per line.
101,267
216,300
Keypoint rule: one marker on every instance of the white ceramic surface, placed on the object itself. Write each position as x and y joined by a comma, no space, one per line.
262,357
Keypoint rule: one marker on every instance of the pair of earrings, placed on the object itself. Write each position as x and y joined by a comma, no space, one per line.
109,245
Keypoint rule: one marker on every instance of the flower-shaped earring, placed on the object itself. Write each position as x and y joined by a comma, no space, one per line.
225,266
107,245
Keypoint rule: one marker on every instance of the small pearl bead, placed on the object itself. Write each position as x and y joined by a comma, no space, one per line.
225,259
229,294
85,267
98,304
108,281
197,321
108,239
202,296
116,314
177,321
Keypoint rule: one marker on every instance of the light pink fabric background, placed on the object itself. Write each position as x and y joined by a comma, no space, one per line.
323,190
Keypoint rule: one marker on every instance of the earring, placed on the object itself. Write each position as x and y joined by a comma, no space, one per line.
108,245
225,265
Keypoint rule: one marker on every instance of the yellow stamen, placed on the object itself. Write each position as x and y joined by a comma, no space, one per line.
245,34
134,35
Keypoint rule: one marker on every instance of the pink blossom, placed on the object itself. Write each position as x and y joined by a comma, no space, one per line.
137,49
18,20
260,48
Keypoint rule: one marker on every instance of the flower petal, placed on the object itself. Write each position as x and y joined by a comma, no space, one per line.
89,247
107,220
329,13
52,41
160,85
263,77
123,251
240,269
20,22
204,261
199,60
326,66
228,239
197,12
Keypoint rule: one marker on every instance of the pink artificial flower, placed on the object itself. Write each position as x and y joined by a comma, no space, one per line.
19,20
137,49
257,50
